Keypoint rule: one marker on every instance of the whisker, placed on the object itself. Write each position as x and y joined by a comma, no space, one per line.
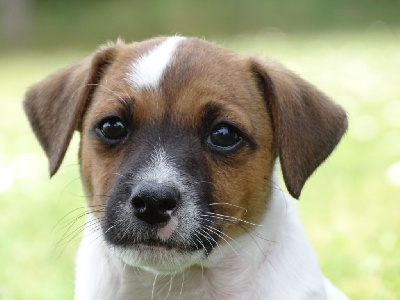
67,185
202,268
207,239
66,215
183,281
217,231
261,250
74,234
201,243
251,234
165,284
154,285
71,221
70,225
243,226
230,204
233,249
78,230
255,233
190,240
170,286
94,229
216,243
220,216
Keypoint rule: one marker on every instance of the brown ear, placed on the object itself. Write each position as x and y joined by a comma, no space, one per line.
54,106
307,124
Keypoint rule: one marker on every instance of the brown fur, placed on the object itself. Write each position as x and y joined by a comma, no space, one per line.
55,105
284,114
307,124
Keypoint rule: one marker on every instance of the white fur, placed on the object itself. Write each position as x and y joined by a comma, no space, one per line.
97,276
279,265
148,70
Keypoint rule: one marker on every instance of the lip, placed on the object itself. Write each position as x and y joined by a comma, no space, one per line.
153,244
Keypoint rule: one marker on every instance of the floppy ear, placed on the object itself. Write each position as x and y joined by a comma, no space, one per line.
54,106
307,124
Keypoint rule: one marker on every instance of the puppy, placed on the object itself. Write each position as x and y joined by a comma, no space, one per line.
179,139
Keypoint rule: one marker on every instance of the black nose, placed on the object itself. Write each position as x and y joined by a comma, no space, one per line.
154,203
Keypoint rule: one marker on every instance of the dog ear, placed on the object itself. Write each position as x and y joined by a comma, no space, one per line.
307,124
55,105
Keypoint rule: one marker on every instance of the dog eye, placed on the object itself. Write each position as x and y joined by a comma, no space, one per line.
224,136
112,129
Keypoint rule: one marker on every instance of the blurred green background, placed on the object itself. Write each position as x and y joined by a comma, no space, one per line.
349,49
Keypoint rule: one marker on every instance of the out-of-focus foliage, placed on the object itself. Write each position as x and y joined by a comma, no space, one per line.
70,24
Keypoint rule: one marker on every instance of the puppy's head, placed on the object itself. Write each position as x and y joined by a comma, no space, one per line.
178,142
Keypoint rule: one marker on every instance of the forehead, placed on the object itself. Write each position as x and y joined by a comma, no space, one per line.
181,75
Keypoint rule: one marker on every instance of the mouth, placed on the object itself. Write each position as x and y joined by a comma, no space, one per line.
152,244
155,255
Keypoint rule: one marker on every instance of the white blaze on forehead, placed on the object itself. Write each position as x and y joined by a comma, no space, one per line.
147,71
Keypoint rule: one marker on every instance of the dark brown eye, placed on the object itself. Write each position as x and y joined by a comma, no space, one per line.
112,129
225,136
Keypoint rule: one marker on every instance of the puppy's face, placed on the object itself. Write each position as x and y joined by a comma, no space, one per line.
180,158
178,141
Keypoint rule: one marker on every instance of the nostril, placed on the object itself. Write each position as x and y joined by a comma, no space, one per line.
138,204
167,205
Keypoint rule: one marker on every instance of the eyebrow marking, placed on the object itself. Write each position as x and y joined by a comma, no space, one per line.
147,71
210,113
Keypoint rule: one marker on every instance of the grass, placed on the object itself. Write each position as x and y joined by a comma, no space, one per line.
349,206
